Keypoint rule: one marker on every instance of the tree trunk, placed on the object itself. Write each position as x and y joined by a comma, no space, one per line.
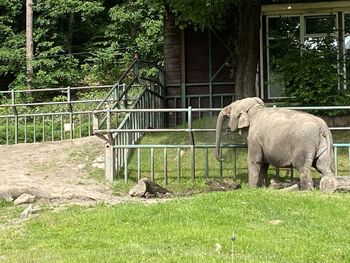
29,42
335,184
146,188
248,45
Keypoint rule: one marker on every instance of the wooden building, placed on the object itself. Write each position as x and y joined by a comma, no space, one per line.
197,68
197,64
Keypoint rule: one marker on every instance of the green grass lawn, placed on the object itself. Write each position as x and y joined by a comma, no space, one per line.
269,226
313,227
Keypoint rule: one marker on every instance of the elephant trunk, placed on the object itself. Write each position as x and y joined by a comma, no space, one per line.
219,123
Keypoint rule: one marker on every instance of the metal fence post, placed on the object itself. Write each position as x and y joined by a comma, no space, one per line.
110,171
193,148
15,113
70,109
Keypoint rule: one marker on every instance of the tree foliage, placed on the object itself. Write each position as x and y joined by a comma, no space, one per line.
78,42
201,13
309,71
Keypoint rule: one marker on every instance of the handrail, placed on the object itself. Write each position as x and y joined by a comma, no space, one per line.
122,95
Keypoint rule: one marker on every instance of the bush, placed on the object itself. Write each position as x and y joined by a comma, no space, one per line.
310,72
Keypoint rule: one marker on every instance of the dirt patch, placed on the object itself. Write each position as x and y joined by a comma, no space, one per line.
54,171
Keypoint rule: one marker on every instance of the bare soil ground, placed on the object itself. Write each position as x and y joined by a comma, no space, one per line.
54,171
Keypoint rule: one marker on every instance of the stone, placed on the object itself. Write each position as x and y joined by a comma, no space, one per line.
330,184
27,212
98,165
146,188
291,188
25,199
275,222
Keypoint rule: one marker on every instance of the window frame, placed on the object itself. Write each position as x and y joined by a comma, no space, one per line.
303,36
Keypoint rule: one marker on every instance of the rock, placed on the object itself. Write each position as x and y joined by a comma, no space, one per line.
277,185
146,188
275,222
149,195
99,163
99,159
27,212
291,188
218,248
81,166
225,185
330,184
25,199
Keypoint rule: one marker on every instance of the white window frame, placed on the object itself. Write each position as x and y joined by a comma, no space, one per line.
344,47
302,38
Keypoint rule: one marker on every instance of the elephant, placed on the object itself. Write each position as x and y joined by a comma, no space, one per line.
280,137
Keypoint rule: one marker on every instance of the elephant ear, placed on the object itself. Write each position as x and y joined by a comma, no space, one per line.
243,120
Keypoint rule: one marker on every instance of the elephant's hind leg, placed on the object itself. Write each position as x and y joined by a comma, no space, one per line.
306,182
324,165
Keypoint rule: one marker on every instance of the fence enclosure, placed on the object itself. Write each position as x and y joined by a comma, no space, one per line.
123,148
121,114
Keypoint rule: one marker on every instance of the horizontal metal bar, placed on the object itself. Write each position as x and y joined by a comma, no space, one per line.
341,144
215,109
56,89
45,114
314,107
339,128
121,130
203,146
157,110
53,103
201,95
201,84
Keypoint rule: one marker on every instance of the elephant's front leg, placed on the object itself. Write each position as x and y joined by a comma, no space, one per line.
256,167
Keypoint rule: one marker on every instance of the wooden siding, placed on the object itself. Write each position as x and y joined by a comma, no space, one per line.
195,70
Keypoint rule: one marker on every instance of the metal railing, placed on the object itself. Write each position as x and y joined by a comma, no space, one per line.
31,116
26,116
134,83
123,148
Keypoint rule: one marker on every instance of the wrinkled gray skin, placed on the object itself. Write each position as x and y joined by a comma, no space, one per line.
280,137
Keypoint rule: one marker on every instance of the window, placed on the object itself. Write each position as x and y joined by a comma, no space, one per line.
281,30
321,24
290,36
347,49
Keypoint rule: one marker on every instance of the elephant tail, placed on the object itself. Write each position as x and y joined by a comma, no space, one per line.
327,135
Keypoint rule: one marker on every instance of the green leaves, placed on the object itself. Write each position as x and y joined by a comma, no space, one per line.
200,13
310,70
79,42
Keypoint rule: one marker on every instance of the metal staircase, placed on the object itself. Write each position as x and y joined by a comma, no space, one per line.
116,115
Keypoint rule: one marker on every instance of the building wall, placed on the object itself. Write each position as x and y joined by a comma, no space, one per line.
197,69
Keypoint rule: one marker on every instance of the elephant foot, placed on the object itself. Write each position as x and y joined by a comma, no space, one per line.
306,186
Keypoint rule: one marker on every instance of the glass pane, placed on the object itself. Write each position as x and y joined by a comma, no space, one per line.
347,42
278,48
284,27
347,23
321,43
276,85
324,24
347,61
